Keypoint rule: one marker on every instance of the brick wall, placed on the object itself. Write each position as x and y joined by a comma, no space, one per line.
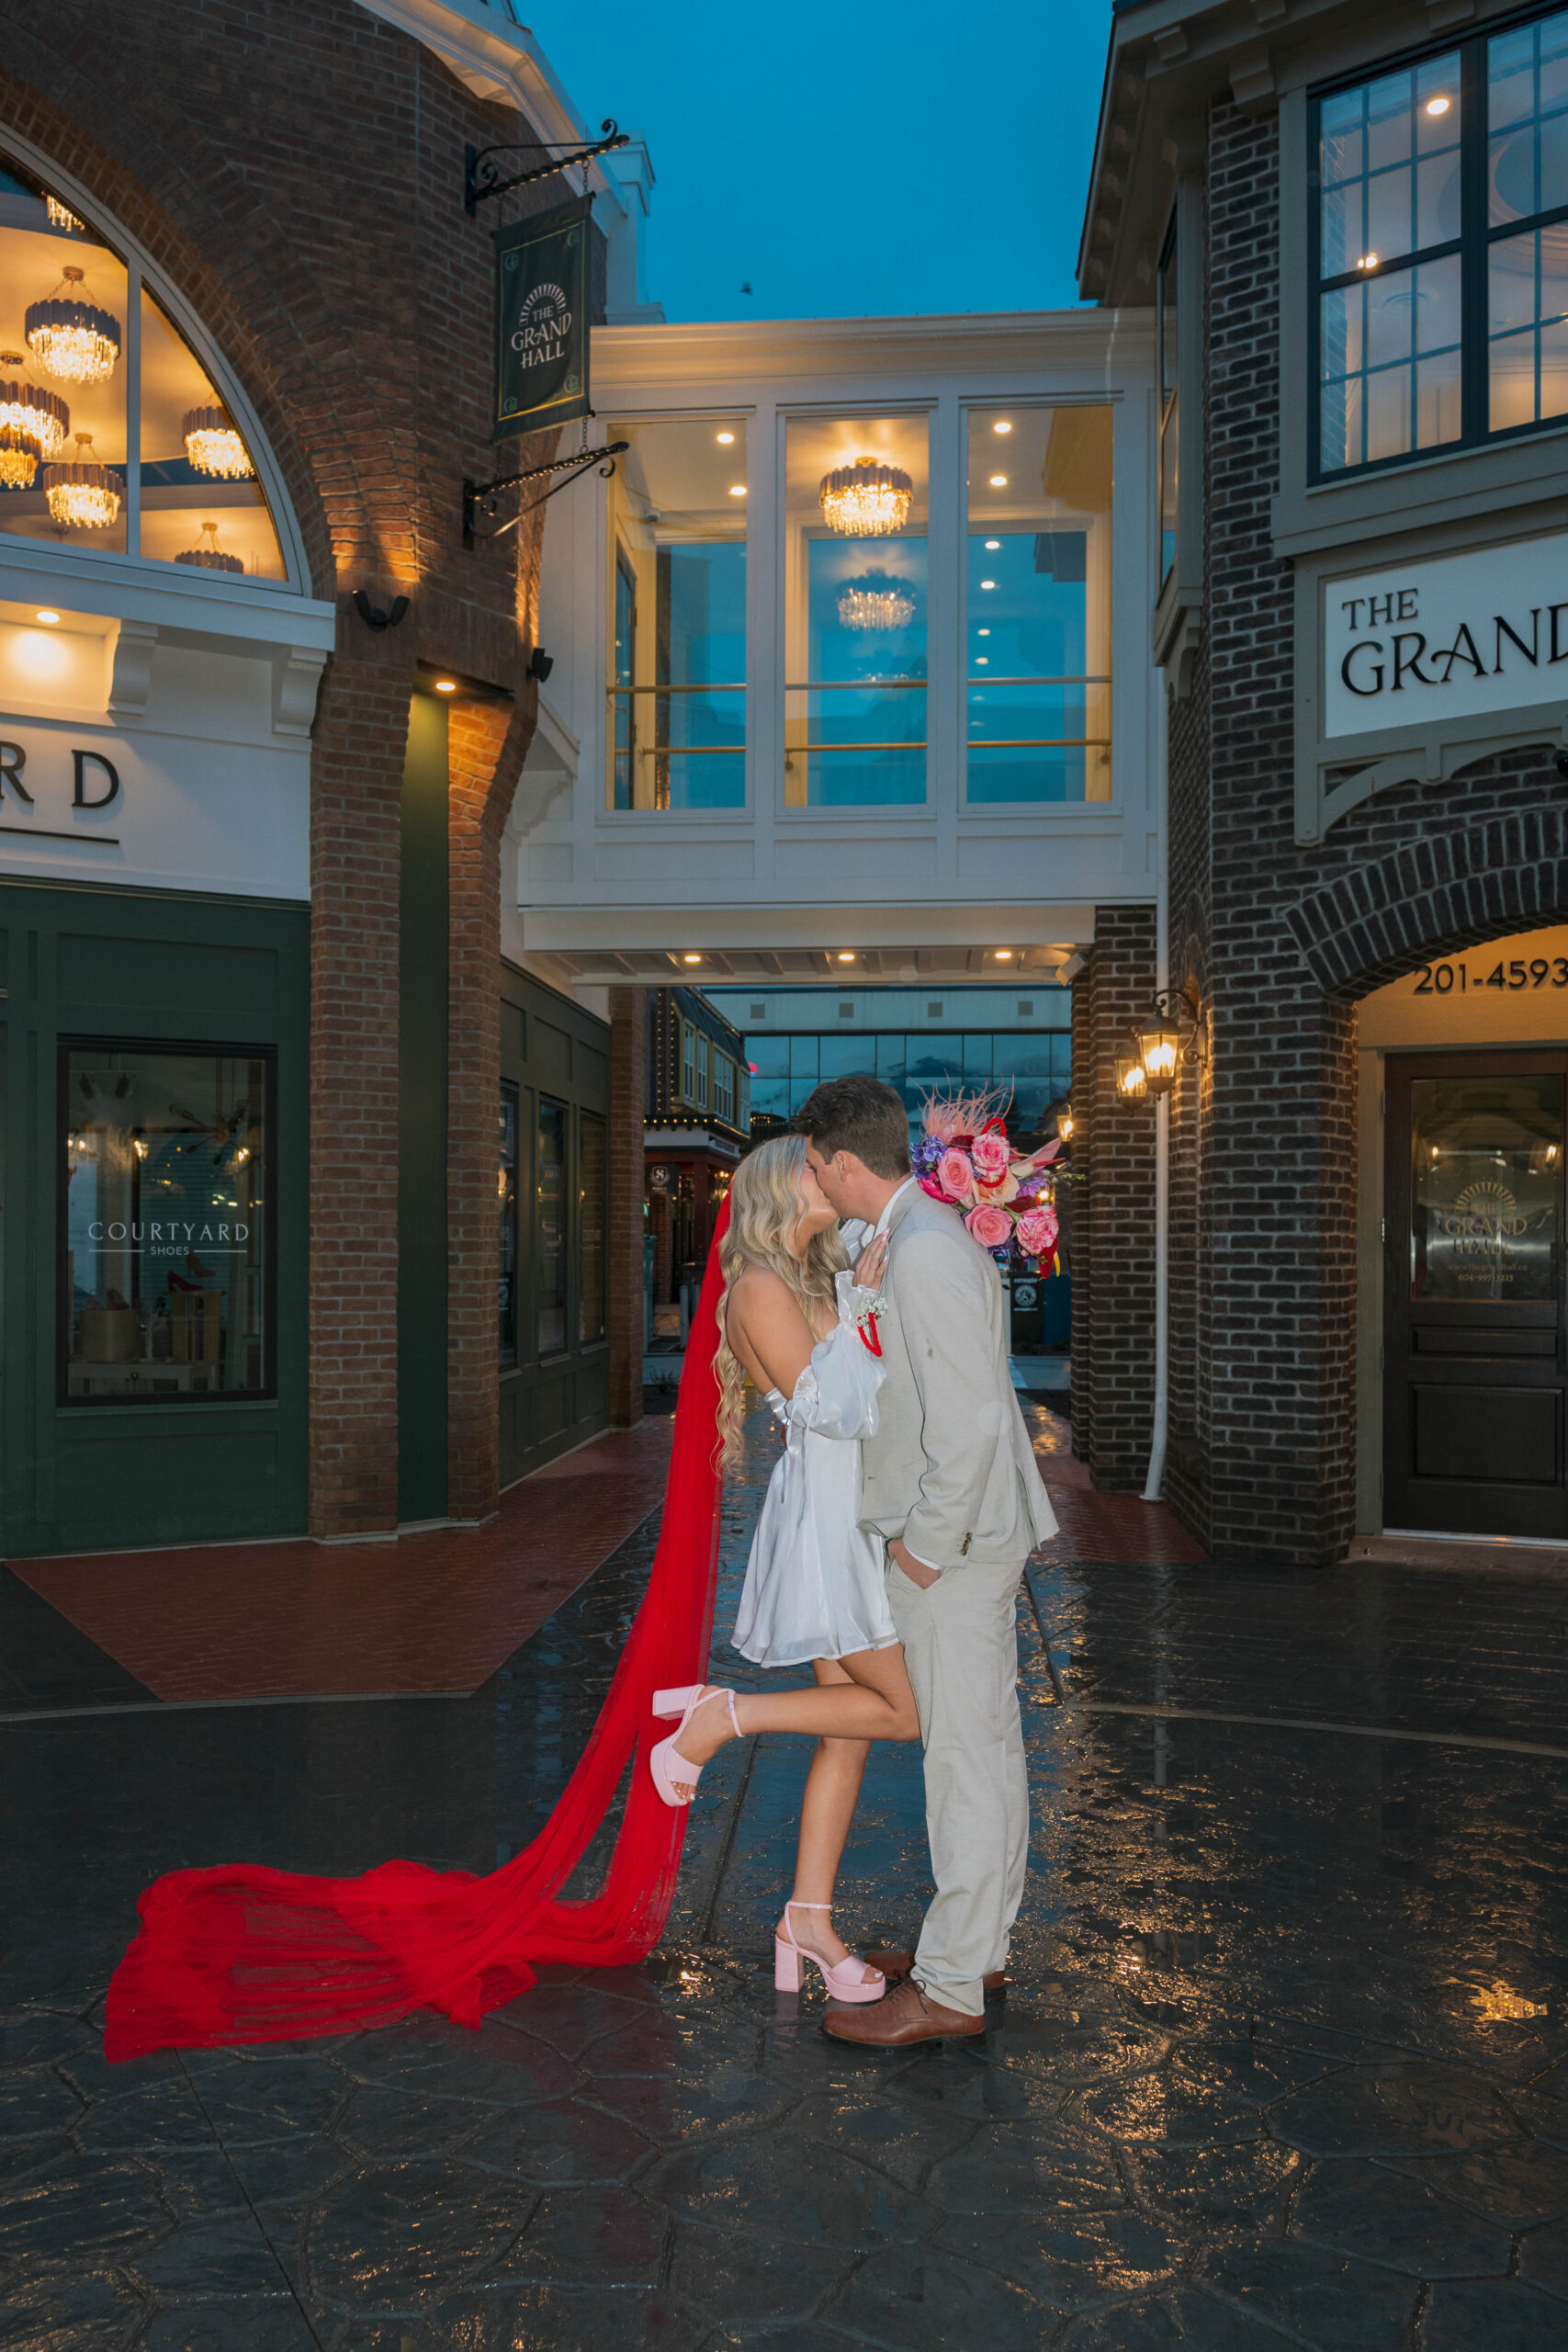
1280,942
296,174
629,1078
1113,1209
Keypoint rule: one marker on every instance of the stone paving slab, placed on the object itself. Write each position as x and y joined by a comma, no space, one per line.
1285,2059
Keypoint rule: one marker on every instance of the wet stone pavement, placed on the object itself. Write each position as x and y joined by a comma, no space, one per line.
1285,2060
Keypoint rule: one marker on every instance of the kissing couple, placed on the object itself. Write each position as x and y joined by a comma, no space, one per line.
889,1549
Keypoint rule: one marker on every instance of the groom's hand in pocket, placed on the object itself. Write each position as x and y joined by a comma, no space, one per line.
907,1564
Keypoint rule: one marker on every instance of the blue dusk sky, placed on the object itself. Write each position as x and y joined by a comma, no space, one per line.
845,163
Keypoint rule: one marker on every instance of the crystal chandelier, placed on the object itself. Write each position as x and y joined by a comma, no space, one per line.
19,456
82,494
71,337
37,415
875,602
867,500
214,446
209,556
59,215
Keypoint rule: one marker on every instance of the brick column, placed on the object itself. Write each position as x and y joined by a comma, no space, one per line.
1113,1211
628,1072
485,747
356,790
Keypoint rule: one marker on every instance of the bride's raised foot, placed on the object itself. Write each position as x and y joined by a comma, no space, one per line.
847,1978
675,1774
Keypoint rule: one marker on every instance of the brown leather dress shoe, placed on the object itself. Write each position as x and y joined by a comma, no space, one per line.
903,2016
897,1964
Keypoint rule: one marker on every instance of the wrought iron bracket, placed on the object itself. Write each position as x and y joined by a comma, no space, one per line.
479,497
1171,1003
482,173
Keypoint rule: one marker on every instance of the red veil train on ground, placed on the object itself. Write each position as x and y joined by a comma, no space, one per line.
241,1954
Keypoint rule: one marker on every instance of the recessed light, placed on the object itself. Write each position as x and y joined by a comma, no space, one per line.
49,619
983,632
726,440
691,959
1003,955
999,481
1367,261
445,685
1437,105
987,583
982,660
738,490
846,955
1002,426
991,546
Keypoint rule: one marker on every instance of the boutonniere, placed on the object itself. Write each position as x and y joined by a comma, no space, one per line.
865,1320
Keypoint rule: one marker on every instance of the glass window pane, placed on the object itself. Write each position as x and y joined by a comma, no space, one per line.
167,1275
1038,626
677,661
934,1062
803,1057
1527,304
856,493
769,1057
201,504
892,1062
843,1056
506,1205
1486,1187
64,358
1527,95
770,1098
550,1229
593,1209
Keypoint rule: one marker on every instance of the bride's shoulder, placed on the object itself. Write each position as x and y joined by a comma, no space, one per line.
757,1290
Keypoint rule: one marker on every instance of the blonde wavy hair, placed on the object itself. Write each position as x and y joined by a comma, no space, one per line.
764,1208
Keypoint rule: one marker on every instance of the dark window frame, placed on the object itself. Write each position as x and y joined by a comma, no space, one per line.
1472,245
65,1045
567,1222
600,1338
510,1090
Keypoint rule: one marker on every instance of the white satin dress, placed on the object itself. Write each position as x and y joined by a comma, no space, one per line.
814,1582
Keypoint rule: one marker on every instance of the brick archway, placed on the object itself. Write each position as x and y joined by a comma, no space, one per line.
1452,890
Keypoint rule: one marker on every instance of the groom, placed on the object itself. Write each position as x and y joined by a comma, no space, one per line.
950,1484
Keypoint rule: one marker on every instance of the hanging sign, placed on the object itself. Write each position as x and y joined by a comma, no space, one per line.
541,318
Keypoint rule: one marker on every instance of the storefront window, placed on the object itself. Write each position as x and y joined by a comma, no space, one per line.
1486,1187
1441,304
506,1212
77,330
678,548
550,1229
168,1261
855,515
1038,626
594,1202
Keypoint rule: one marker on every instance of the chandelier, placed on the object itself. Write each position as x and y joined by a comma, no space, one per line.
214,446
59,215
37,415
867,500
209,556
875,602
83,495
73,338
19,455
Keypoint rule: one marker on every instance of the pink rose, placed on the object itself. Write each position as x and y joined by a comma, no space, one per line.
991,1227
990,1157
1004,1190
1037,1230
955,1175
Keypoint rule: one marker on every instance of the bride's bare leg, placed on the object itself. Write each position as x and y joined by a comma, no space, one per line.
874,1702
832,1792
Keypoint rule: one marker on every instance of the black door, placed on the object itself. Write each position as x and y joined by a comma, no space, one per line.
1473,1330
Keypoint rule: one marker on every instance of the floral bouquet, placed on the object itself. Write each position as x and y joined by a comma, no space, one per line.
1007,1204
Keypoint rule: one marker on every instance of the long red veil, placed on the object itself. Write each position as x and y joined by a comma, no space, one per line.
241,1954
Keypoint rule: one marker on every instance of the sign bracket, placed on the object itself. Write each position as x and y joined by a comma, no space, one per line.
479,497
482,173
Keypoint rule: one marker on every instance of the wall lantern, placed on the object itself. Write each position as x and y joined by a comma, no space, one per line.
1132,1078
1159,1048
1161,1055
1065,1122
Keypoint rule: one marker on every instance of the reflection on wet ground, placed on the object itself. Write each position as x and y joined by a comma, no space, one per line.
1286,2059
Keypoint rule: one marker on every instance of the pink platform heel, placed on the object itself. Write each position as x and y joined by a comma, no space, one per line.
839,1979
663,1762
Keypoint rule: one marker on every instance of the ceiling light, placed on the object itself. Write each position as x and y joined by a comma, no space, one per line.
691,959
37,415
208,556
999,481
987,583
846,955
82,494
982,660
49,619
213,446
1002,954
59,216
1002,426
71,337
866,501
991,546
738,490
875,602
19,457
1437,105
983,632
1367,261
726,440
445,685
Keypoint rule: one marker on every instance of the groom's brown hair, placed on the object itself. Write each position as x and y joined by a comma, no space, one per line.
859,1115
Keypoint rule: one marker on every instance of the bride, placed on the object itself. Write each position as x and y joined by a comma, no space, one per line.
791,1321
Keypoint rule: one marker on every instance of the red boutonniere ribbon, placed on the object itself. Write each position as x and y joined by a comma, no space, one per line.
870,1335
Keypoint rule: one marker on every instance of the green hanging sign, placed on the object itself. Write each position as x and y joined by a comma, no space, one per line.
541,316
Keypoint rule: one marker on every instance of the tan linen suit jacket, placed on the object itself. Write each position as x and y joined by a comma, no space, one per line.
951,1469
